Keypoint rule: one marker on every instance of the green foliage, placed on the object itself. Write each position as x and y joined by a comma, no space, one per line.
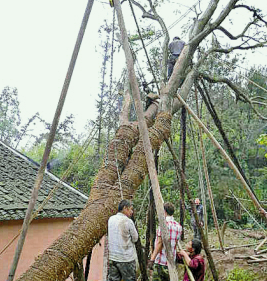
239,274
9,115
146,33
83,171
36,152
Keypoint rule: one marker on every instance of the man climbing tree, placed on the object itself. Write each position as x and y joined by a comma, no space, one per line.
175,48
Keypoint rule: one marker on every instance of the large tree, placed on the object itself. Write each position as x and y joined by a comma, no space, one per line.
57,262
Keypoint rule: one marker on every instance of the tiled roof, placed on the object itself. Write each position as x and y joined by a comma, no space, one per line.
17,177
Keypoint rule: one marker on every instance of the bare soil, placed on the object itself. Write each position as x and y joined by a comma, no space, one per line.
226,262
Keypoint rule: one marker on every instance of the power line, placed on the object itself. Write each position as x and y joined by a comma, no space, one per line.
171,26
254,83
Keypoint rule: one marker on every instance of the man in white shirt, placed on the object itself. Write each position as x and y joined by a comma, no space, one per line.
122,235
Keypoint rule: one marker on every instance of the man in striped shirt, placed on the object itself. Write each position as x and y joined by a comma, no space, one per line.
158,256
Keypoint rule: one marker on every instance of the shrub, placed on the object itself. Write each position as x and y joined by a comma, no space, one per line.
239,274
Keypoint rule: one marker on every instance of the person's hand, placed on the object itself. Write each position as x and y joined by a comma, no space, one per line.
183,253
150,264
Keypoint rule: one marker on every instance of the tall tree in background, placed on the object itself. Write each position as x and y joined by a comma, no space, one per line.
9,115
11,130
57,262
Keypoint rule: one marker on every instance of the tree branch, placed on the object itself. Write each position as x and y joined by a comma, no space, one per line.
225,12
155,16
255,12
145,13
232,37
239,92
239,47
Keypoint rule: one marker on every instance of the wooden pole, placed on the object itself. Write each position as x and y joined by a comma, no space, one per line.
49,143
146,143
183,163
87,266
261,244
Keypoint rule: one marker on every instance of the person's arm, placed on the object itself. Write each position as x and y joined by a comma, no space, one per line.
158,248
192,263
185,256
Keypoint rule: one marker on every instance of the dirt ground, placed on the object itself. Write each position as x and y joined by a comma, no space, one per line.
226,262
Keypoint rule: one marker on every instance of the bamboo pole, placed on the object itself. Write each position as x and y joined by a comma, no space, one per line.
262,251
226,157
213,210
183,163
193,207
234,247
261,244
257,261
200,179
40,175
146,144
247,212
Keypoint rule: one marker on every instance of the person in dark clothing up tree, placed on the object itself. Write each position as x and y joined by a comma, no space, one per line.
175,48
193,259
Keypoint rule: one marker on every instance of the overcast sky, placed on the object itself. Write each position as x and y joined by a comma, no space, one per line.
37,40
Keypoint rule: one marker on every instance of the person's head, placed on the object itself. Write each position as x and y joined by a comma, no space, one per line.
197,201
194,246
126,208
176,38
169,208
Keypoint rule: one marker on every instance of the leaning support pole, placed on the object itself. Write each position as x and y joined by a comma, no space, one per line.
40,175
146,144
227,158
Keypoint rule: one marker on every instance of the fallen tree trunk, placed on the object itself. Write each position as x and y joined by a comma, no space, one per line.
57,262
